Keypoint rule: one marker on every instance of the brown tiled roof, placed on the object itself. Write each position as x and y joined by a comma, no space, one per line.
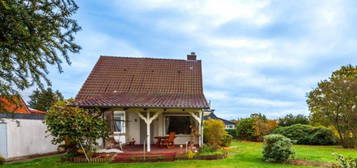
143,82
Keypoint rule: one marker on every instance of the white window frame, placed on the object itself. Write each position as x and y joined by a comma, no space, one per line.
123,125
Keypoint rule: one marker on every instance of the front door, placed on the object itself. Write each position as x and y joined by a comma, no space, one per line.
3,140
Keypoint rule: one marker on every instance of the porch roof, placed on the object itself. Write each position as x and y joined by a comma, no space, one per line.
146,101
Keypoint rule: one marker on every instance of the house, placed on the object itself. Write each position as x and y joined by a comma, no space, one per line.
143,98
228,124
22,132
18,107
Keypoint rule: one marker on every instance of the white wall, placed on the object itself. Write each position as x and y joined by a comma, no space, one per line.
133,127
27,137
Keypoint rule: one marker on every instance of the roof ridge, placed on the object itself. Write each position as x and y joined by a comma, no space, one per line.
111,56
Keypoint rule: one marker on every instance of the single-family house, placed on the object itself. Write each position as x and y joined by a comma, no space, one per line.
227,124
145,98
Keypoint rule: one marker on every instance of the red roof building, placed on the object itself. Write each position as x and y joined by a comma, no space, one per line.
19,106
163,95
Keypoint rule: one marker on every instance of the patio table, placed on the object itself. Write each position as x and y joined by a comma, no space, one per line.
159,139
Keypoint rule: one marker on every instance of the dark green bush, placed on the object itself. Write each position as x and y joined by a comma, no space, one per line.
227,139
245,129
277,148
290,119
232,132
307,134
2,160
206,148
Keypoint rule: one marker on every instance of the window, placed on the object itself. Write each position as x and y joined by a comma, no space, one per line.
119,121
179,124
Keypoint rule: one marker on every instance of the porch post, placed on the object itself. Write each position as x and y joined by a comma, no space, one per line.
199,120
201,129
148,120
148,131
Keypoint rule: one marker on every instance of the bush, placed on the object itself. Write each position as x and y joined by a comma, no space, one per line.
290,119
226,140
206,149
214,133
277,148
2,160
255,127
344,162
245,129
307,134
190,154
232,132
74,126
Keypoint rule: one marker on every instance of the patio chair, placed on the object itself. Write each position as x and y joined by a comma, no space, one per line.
169,142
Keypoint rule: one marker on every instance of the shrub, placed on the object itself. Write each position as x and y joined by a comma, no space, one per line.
190,154
277,148
206,148
290,119
214,133
232,132
226,140
344,162
245,129
75,126
2,160
307,134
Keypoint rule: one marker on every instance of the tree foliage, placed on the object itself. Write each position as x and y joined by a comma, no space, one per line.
44,99
334,102
81,127
263,127
34,34
290,119
255,127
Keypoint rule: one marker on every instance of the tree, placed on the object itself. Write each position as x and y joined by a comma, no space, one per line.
263,127
81,127
290,119
334,103
34,34
44,99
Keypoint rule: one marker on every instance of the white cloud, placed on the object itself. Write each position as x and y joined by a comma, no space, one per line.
311,33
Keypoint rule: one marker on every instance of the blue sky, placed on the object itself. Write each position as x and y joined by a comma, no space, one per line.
259,56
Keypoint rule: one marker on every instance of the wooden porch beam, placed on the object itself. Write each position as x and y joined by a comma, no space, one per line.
154,117
197,118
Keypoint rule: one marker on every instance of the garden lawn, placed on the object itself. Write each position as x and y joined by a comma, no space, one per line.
245,155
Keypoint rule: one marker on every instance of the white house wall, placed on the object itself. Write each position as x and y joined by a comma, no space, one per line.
27,137
133,127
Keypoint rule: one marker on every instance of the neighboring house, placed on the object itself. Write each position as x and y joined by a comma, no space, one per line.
227,124
22,132
147,97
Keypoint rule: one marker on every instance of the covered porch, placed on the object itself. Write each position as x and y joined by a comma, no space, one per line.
139,129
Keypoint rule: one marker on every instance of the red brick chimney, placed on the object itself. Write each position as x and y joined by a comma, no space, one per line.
192,56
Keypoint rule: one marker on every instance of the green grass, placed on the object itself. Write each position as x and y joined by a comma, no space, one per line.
245,155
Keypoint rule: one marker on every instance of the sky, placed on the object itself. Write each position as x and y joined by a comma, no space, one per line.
258,56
